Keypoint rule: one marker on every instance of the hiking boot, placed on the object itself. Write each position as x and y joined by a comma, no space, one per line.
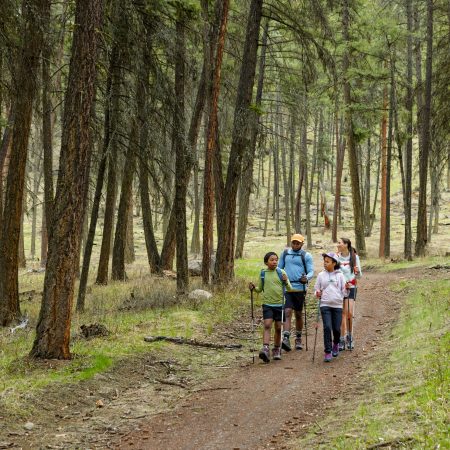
350,344
327,357
286,344
276,353
264,354
298,343
341,344
335,350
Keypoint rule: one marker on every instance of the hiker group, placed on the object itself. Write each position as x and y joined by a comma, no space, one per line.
282,289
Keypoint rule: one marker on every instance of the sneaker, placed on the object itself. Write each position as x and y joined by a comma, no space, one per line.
335,350
298,343
327,357
342,344
264,354
276,353
350,343
286,344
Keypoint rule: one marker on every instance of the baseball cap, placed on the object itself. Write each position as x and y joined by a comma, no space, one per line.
297,237
331,255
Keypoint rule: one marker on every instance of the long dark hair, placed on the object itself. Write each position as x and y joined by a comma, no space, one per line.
352,252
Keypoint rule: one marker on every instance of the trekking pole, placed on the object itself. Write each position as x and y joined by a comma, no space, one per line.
317,327
253,326
306,327
353,319
282,313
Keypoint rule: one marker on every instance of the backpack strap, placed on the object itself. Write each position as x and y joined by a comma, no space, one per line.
263,276
301,254
280,274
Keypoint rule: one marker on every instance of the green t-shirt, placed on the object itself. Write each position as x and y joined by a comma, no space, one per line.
273,288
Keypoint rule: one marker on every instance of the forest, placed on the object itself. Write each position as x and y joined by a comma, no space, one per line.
141,138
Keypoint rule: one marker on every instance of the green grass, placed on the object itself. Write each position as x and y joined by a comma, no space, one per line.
406,402
153,309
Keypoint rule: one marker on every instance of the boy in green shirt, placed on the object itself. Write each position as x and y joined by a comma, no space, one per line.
272,283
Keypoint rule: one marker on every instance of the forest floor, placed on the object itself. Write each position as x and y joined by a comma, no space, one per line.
151,402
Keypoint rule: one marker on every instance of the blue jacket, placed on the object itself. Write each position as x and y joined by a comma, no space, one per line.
292,263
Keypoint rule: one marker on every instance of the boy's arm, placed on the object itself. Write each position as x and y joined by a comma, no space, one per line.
259,286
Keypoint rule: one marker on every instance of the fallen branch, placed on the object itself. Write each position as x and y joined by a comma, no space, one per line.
171,383
180,340
390,443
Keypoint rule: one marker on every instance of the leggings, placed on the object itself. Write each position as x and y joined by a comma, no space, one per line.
331,318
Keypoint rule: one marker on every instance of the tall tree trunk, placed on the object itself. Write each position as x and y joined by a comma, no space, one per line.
96,202
117,60
213,101
224,268
367,187
424,151
387,242
304,151
168,249
53,327
247,172
269,193
25,90
383,210
47,111
118,258
287,215
181,156
409,131
356,195
340,154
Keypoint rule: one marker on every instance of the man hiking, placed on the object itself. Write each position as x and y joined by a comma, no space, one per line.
299,268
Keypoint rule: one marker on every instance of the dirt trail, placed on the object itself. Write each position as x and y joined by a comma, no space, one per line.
255,406
259,406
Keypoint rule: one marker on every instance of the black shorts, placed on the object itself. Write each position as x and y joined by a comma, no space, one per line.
273,312
352,294
295,300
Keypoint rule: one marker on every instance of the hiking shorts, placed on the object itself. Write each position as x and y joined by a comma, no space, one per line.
273,312
295,300
352,294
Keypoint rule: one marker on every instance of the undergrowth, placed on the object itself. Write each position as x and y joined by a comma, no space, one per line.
406,395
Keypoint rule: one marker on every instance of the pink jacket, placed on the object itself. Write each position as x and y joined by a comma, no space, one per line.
332,288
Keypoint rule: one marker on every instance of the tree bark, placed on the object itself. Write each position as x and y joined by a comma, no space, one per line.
424,151
224,268
247,173
81,299
53,327
208,186
116,62
118,257
340,154
25,90
356,195
181,156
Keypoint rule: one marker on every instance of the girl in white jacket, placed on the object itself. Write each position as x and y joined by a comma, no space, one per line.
330,290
